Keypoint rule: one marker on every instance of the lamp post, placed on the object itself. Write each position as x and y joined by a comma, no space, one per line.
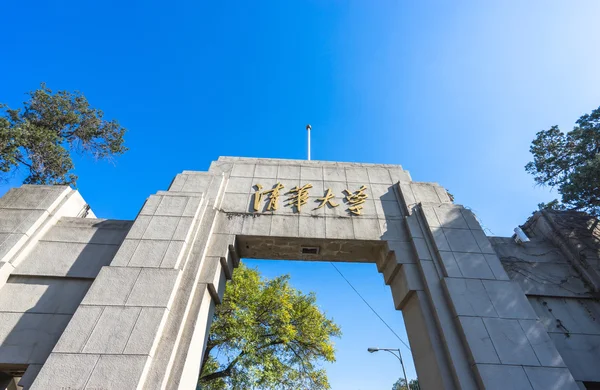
399,357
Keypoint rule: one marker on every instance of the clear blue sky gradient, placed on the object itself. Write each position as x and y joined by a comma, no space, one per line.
452,91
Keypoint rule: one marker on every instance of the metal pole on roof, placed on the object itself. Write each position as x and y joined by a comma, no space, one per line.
308,129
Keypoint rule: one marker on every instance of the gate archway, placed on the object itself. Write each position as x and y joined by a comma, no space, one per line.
144,321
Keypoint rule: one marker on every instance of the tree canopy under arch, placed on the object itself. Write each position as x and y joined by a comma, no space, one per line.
267,335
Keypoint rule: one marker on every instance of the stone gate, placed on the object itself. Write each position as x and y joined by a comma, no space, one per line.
87,303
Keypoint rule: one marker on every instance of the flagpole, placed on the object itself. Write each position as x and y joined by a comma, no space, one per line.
308,129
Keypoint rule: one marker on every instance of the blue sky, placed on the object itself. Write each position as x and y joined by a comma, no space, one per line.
452,91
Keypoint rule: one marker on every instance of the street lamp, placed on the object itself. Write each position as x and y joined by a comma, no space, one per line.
399,357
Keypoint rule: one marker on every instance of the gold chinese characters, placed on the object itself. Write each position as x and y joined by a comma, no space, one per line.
273,195
356,200
299,196
327,200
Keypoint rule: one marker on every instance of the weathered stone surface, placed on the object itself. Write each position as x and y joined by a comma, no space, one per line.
288,172
117,370
450,265
142,339
502,377
425,192
541,343
473,265
30,197
479,341
112,286
243,170
214,277
310,173
79,329
112,330
580,353
450,217
265,171
258,225
28,338
496,267
575,315
311,227
356,174
378,175
510,342
88,231
508,300
67,259
366,229
550,378
153,287
75,372
469,298
393,229
383,192
171,206
239,185
387,209
540,268
461,240
30,374
404,283
439,238
483,242
174,254
161,228
42,295
339,228
282,225
196,184
421,248
149,253
403,251
334,174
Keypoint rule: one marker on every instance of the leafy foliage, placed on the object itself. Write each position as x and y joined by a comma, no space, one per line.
267,335
570,162
401,385
41,135
553,205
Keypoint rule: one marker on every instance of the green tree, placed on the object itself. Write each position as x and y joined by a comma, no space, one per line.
570,163
401,385
41,136
267,335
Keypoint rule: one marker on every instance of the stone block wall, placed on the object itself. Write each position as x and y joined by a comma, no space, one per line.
51,256
556,269
115,331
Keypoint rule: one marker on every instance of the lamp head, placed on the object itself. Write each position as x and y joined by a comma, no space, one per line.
371,350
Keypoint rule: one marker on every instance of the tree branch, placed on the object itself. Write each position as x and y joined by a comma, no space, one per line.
23,162
227,370
223,373
209,347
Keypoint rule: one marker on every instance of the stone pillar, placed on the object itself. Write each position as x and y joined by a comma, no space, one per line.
413,276
492,338
26,214
114,334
